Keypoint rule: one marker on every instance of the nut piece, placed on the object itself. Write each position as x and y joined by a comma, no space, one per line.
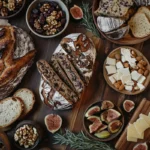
118,56
133,53
140,71
121,87
140,66
126,65
139,58
146,73
144,63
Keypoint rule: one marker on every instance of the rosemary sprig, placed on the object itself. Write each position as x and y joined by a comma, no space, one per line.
79,141
87,20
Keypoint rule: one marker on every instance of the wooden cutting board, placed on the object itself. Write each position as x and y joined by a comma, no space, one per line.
122,143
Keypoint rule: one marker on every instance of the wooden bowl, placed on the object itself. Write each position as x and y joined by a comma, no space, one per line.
86,123
39,130
117,50
129,39
5,141
16,13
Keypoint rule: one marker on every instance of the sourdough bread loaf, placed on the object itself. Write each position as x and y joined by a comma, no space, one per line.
144,10
139,25
11,109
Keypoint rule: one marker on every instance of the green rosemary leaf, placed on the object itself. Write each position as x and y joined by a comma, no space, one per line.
79,141
87,20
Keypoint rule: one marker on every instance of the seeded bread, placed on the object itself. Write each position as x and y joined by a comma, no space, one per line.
139,25
145,10
50,76
10,110
28,99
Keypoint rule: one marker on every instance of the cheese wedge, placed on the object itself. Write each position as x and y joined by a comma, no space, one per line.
146,118
131,139
132,132
141,125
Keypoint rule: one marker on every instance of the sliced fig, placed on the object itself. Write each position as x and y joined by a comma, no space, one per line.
112,115
103,134
93,118
95,126
102,127
140,146
128,105
76,12
93,110
114,126
107,105
53,122
103,116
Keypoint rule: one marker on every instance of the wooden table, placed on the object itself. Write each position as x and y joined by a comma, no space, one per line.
96,91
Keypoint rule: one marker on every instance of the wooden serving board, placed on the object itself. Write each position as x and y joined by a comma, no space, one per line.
122,143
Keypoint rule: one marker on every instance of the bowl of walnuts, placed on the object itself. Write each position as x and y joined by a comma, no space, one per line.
48,18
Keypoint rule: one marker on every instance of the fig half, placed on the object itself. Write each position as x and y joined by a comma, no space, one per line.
95,126
112,115
140,146
53,122
76,12
128,105
114,126
93,110
106,105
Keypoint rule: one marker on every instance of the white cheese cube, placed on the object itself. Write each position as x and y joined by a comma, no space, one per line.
135,75
136,88
141,79
124,71
119,76
125,78
128,88
131,83
112,80
111,69
119,65
115,76
141,86
123,59
125,51
110,61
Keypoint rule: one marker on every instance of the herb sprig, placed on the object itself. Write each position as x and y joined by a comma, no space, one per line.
87,20
79,141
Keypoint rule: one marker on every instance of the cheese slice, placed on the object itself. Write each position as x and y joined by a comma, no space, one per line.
110,61
141,125
146,118
111,69
119,65
132,132
141,79
135,75
131,139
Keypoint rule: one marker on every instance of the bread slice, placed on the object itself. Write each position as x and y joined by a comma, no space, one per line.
139,25
27,96
145,10
10,110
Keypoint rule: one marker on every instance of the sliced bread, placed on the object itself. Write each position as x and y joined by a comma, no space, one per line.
10,110
145,10
27,96
139,25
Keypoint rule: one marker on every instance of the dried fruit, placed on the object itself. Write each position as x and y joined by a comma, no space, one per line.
103,116
93,110
102,135
140,146
95,126
146,73
53,122
112,115
139,58
76,12
93,118
107,105
102,127
128,105
114,126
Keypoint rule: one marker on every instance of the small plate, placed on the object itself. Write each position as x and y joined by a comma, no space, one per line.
86,123
111,55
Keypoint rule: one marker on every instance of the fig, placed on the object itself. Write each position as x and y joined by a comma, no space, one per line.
53,122
93,110
112,115
102,127
128,105
107,105
103,134
114,126
103,116
140,146
76,12
93,118
95,126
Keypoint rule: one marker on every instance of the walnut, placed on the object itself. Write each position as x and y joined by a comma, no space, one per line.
54,13
11,5
49,19
37,25
45,7
4,11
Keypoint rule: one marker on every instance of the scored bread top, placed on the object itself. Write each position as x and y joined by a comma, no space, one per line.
10,110
139,25
144,10
28,98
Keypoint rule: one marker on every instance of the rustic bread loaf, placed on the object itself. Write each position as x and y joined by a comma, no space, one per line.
144,10
11,109
49,75
139,25
27,96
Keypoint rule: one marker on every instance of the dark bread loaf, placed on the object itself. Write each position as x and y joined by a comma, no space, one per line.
49,75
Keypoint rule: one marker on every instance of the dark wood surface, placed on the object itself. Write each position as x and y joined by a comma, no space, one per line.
96,91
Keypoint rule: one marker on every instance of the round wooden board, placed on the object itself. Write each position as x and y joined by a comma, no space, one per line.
129,39
111,55
86,123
